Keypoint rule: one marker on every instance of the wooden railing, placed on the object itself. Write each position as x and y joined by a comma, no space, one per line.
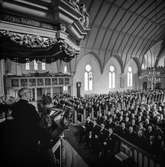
141,157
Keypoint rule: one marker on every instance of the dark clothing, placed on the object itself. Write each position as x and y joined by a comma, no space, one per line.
27,134
95,138
109,142
26,124
88,128
102,136
100,120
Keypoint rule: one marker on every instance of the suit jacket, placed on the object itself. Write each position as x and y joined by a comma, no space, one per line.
26,125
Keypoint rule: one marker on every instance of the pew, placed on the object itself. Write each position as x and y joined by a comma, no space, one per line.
128,150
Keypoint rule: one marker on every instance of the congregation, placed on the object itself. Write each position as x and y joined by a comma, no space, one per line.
137,116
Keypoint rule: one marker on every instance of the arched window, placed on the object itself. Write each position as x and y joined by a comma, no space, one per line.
43,66
112,77
129,77
27,66
88,78
35,65
65,69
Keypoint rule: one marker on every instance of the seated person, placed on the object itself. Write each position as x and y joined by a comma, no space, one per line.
95,135
122,129
100,119
109,141
88,128
131,134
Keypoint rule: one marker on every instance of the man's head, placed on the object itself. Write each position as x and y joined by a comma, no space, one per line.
110,130
24,93
47,101
130,129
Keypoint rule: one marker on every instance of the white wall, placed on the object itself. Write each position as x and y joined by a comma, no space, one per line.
100,81
161,61
105,76
80,70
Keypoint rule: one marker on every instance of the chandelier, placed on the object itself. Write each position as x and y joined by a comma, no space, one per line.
153,77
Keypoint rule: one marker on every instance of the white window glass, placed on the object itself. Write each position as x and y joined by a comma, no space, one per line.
43,66
88,78
27,66
65,69
65,88
129,77
112,77
88,67
35,65
113,80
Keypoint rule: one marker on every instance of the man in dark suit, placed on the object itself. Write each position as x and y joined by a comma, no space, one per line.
101,138
95,137
27,131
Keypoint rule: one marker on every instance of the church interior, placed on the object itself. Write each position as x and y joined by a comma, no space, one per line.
82,83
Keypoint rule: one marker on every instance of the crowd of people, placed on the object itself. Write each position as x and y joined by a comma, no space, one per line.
137,116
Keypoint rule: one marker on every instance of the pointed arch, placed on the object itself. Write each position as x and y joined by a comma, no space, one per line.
134,64
118,60
91,55
136,60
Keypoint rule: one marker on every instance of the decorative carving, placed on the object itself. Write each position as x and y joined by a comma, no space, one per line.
85,16
28,40
75,4
59,48
84,20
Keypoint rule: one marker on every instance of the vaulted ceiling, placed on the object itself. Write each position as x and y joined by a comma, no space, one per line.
123,28
126,28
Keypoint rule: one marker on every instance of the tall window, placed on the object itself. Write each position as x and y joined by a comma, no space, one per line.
112,77
35,65
27,66
43,65
129,77
88,78
65,69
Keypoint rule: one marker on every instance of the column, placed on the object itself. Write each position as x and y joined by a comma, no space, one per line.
35,90
122,81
